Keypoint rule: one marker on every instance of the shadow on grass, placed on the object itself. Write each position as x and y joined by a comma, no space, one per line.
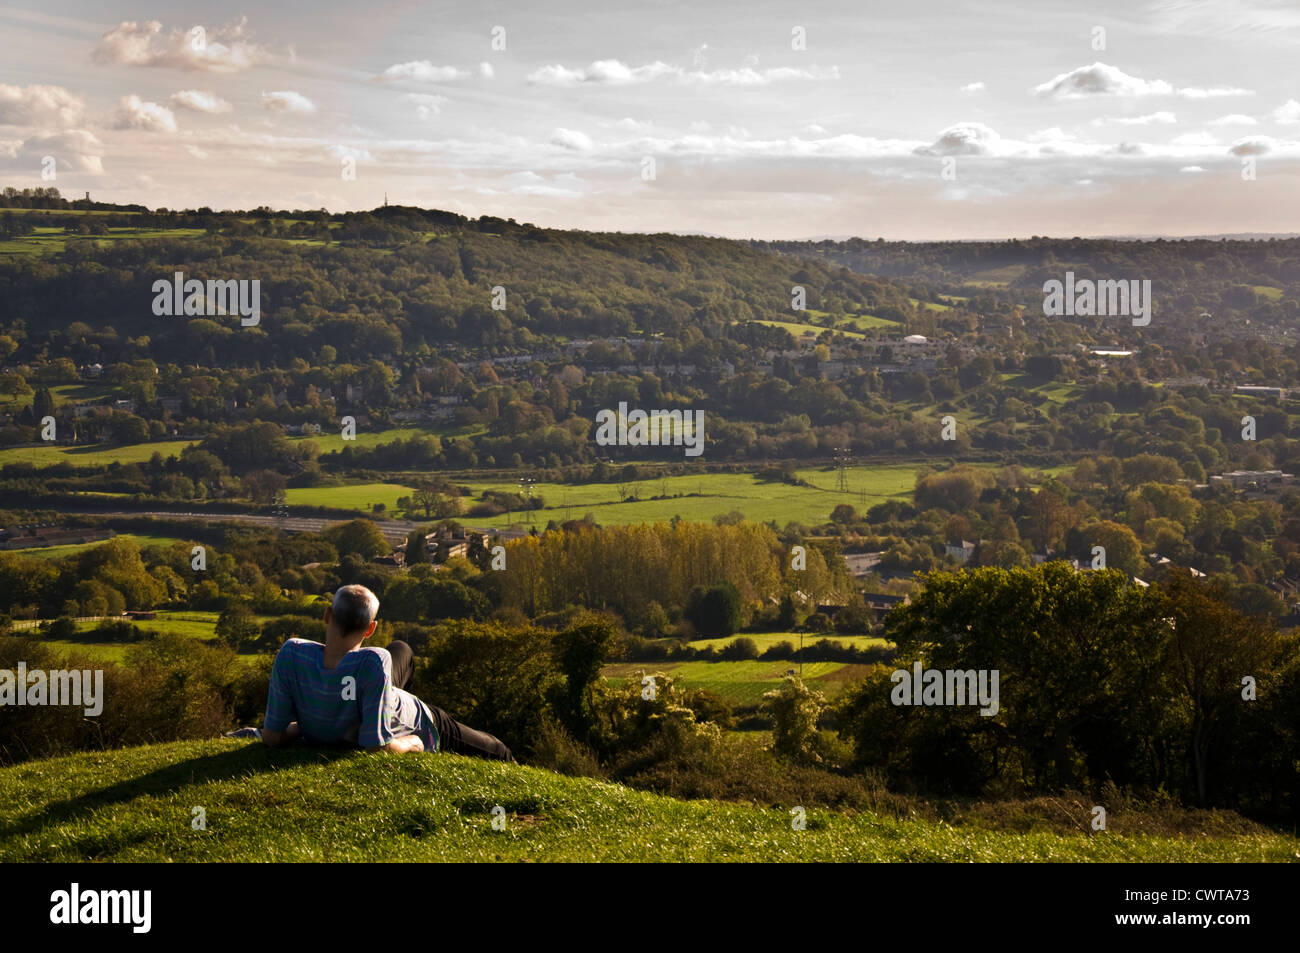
245,761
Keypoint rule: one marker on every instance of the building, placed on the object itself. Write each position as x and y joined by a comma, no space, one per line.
961,551
1263,480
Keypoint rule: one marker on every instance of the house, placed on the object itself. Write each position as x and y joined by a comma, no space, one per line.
961,551
124,404
171,405
1264,480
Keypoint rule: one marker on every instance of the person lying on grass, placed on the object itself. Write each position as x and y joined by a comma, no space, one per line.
344,692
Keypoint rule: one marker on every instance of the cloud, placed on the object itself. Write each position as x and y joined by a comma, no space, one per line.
617,73
1233,119
287,101
1252,146
1191,168
199,101
973,89
420,71
1100,79
40,106
570,139
486,71
134,113
196,152
426,104
1287,113
1163,118
1195,139
530,183
76,148
1054,134
962,139
144,44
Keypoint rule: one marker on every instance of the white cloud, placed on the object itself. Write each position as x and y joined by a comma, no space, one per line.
962,139
1287,113
134,113
973,89
1233,119
144,44
570,139
1191,168
286,100
75,148
426,104
1099,79
421,71
486,71
196,152
1194,139
617,73
199,101
39,106
1162,118
1054,134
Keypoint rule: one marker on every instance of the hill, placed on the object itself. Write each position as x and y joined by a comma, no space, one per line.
138,804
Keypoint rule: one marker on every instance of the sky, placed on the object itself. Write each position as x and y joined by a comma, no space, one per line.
759,119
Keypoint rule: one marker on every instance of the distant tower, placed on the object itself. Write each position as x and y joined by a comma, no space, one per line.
385,200
87,198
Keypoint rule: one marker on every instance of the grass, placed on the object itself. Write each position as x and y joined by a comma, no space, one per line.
799,329
57,552
765,640
715,494
355,496
305,805
1269,292
742,683
332,441
92,455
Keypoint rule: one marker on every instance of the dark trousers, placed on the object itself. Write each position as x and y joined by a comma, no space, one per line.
452,735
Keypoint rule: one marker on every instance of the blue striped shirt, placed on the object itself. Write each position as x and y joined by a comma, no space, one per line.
368,711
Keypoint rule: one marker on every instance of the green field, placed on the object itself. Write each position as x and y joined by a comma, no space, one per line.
1269,292
311,805
332,440
46,240
56,552
356,496
799,329
717,494
742,683
765,640
92,455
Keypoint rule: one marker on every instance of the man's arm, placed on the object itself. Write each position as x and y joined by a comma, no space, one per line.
277,739
401,745
279,726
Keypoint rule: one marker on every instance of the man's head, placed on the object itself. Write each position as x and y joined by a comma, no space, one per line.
353,613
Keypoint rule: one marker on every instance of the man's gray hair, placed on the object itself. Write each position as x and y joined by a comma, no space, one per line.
355,607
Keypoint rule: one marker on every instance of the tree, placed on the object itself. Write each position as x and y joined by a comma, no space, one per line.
417,549
795,709
236,625
717,611
1213,648
358,537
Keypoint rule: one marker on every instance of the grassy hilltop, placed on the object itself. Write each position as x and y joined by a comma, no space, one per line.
138,804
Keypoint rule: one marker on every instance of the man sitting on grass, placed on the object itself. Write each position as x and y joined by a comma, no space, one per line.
344,692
